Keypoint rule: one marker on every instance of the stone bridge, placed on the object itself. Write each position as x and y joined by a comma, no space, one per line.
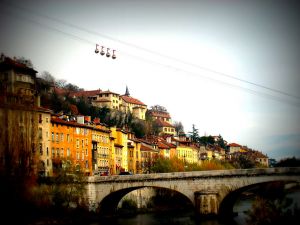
211,192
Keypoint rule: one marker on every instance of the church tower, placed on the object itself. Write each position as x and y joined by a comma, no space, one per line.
127,91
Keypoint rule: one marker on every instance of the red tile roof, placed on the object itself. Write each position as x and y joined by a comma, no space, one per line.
163,123
108,92
234,145
8,63
75,124
160,114
85,93
131,100
147,148
162,145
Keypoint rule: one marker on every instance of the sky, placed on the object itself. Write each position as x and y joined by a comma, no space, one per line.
228,67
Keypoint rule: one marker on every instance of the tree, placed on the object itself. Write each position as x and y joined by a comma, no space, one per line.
221,142
178,127
194,134
272,206
288,162
158,108
61,83
207,140
25,61
72,87
48,77
243,161
139,128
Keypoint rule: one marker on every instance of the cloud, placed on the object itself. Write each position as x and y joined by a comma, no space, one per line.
283,146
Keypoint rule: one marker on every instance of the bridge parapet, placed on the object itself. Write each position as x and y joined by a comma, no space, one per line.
198,174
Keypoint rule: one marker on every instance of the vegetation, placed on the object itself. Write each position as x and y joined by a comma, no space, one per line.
288,162
273,207
165,165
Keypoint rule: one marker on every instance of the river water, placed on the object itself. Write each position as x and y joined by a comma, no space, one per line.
240,207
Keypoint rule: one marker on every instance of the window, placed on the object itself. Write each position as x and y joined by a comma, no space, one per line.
47,151
77,143
86,164
68,137
57,152
40,118
52,134
47,119
40,133
53,152
61,137
62,152
68,152
86,152
41,149
57,138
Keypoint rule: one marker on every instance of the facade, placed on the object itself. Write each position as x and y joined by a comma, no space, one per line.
119,148
24,143
160,115
234,147
84,147
124,103
165,128
101,155
149,153
44,145
134,154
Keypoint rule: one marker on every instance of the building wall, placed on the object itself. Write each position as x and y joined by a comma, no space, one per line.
44,125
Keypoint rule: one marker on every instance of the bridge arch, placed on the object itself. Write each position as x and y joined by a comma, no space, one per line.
211,192
109,204
228,202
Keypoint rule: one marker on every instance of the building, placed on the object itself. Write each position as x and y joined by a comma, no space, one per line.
149,154
165,127
134,154
101,147
124,103
119,149
24,143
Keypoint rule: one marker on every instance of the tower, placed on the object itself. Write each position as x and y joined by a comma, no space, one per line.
127,91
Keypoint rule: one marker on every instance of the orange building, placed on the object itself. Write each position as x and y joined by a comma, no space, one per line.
71,144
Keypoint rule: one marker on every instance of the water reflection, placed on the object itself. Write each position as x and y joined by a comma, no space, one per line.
155,219
241,207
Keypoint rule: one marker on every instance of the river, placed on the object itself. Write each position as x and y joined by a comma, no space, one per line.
240,207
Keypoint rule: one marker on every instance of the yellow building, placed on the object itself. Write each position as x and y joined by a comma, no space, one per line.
107,99
25,125
165,127
134,154
186,151
44,146
120,151
124,103
101,156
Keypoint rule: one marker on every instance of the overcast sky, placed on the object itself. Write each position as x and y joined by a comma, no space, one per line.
229,67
